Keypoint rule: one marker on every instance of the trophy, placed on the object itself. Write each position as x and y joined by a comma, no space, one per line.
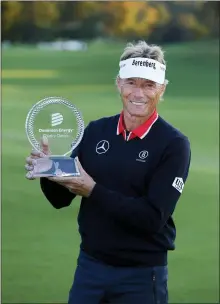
62,124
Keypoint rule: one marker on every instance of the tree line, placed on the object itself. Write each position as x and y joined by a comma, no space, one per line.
33,21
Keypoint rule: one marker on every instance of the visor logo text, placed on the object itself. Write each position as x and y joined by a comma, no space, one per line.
144,63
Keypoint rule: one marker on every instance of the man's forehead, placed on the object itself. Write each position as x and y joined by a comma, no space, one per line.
139,79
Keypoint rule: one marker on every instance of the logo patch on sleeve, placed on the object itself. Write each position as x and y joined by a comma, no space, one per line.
178,184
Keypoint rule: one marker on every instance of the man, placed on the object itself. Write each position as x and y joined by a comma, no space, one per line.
133,169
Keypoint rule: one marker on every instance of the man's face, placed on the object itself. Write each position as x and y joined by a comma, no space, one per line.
139,96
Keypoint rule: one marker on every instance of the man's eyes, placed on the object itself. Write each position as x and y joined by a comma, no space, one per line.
146,85
130,82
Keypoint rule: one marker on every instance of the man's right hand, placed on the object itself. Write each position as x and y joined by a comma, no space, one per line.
30,160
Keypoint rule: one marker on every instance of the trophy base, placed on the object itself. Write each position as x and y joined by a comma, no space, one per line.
56,166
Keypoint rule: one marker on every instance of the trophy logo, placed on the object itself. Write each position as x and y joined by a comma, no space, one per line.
56,119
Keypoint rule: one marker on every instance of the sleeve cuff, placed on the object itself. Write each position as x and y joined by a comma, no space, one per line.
98,193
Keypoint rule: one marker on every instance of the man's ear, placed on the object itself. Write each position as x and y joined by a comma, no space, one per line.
118,83
162,90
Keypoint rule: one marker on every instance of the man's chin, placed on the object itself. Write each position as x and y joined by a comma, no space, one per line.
138,112
138,115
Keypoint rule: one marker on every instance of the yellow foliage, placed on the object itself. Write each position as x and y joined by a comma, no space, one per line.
152,15
116,13
12,13
118,18
189,21
45,12
165,15
89,8
134,17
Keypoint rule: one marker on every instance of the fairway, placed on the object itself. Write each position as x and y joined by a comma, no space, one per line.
40,244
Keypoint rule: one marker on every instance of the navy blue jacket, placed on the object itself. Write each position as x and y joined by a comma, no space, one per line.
127,219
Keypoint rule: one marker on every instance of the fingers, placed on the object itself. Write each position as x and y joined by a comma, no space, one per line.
60,180
79,164
36,154
31,161
45,145
29,175
29,167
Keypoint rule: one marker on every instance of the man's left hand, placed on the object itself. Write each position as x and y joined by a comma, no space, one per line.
81,185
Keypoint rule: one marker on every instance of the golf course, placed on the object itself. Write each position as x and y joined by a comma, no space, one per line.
40,244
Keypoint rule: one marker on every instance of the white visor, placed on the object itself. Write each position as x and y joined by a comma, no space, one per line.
142,68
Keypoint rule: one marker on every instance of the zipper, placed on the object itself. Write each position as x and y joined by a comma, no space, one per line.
127,135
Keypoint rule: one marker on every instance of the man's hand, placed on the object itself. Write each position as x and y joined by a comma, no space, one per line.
30,160
81,185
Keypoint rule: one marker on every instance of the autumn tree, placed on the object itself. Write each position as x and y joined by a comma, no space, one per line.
25,20
157,21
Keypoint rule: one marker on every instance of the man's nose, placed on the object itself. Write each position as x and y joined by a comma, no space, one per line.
138,93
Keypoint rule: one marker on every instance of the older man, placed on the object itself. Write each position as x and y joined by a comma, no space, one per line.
133,169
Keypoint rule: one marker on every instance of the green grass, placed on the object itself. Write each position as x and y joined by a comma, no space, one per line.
40,244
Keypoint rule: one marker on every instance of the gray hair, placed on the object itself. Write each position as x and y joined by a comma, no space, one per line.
144,50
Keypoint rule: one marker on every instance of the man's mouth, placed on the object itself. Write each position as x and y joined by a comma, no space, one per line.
138,103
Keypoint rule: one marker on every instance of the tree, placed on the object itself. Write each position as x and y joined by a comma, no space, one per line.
27,20
11,11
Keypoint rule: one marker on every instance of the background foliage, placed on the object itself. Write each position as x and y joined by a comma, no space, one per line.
31,21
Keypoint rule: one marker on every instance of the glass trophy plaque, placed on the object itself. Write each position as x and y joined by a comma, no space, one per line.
62,124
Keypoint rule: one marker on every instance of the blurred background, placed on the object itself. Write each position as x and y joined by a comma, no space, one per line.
72,49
